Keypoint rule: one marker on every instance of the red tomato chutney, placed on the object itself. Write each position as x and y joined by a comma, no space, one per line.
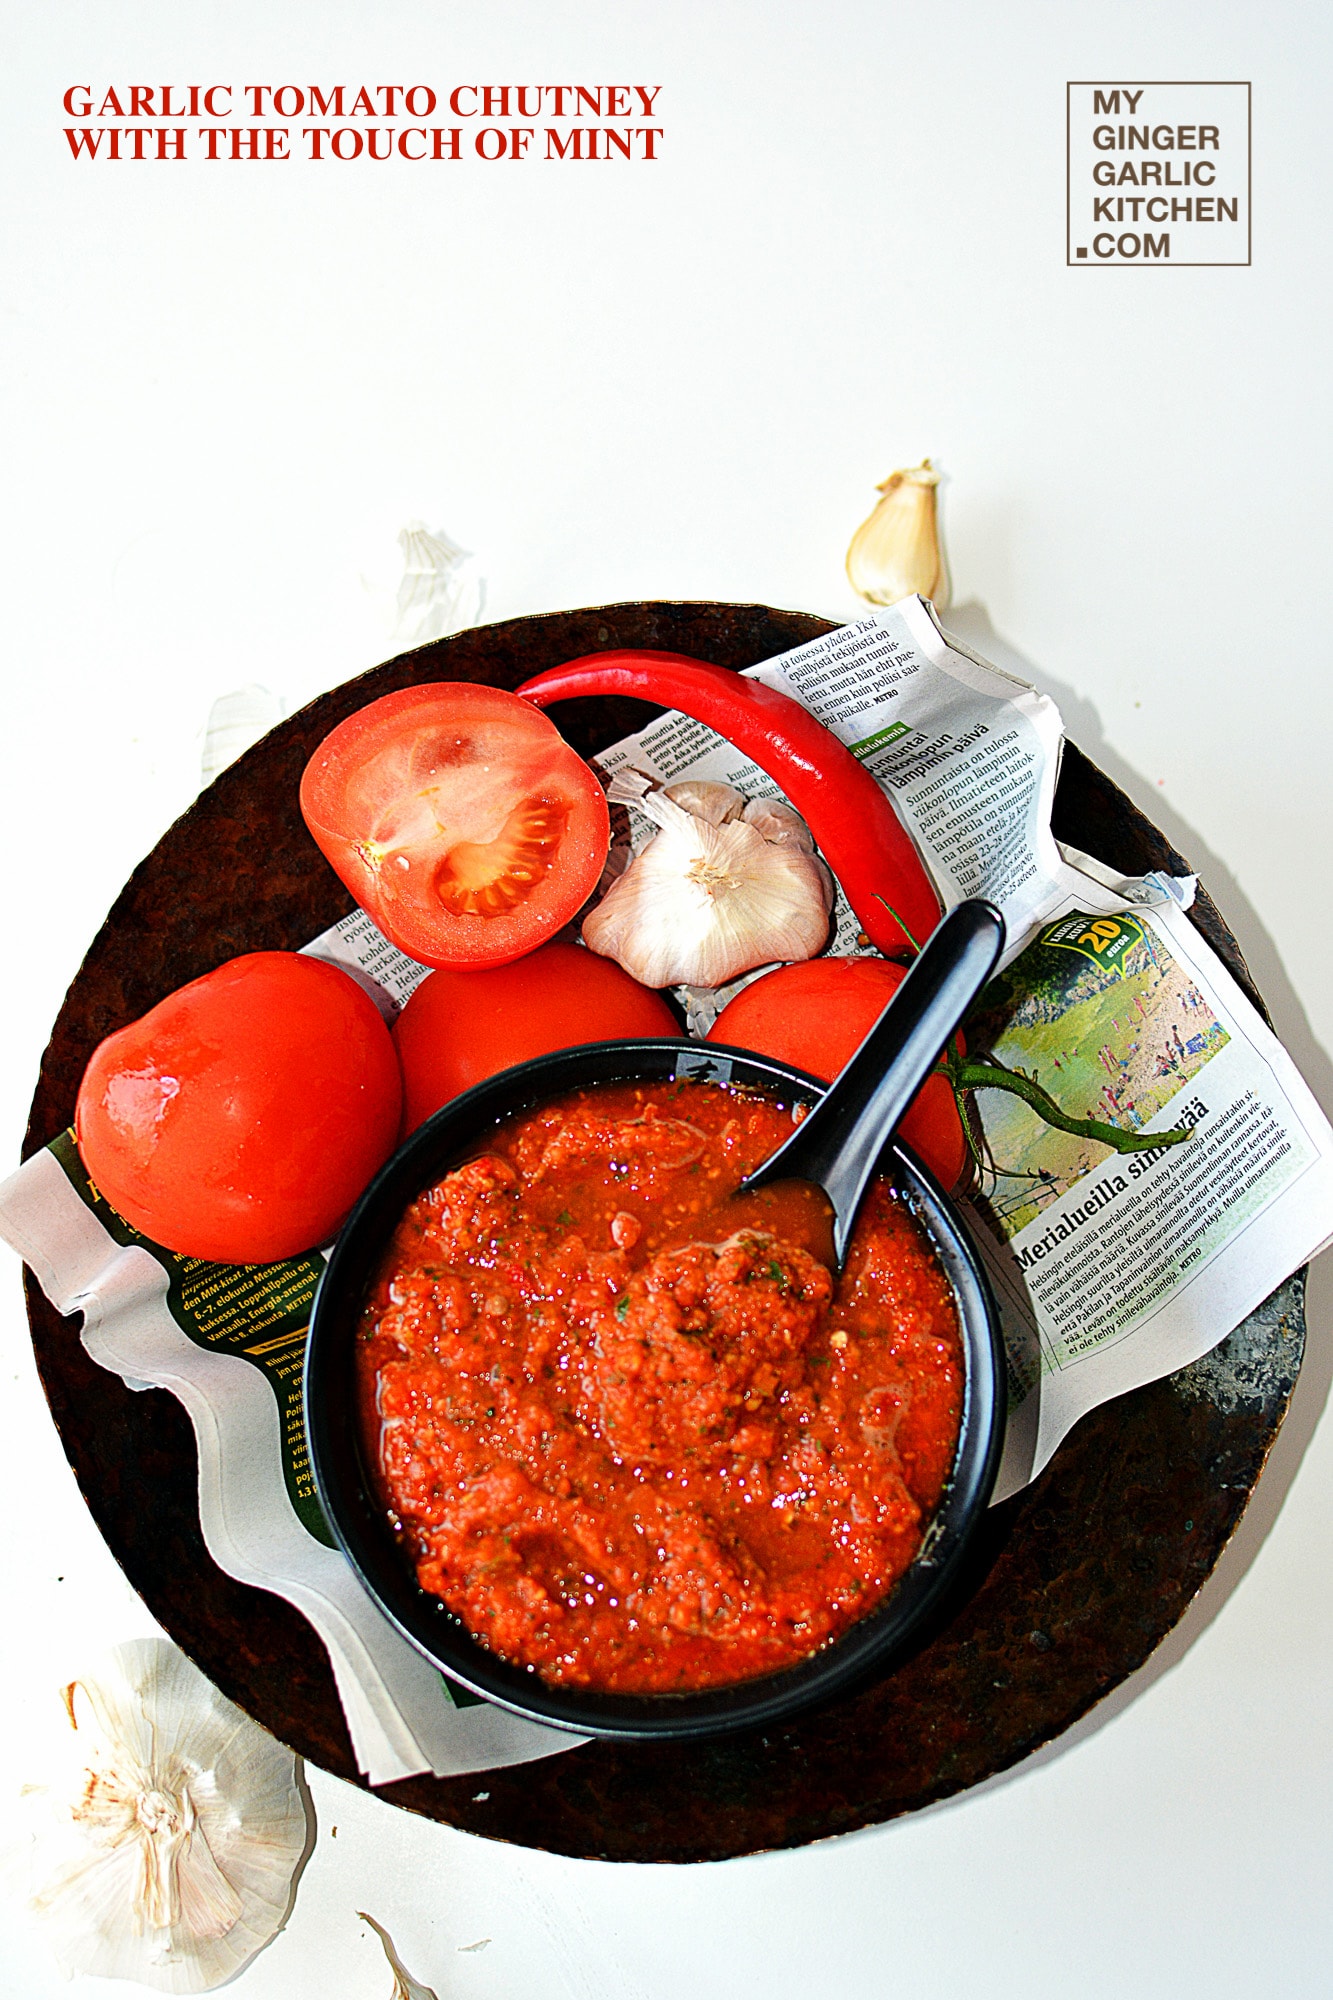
637,1462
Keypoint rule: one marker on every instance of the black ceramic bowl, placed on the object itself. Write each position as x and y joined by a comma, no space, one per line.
346,1489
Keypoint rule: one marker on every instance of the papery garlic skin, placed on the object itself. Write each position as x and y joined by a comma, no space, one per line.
441,591
896,552
405,1987
705,902
165,1850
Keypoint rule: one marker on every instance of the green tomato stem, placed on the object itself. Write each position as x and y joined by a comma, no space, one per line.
988,1073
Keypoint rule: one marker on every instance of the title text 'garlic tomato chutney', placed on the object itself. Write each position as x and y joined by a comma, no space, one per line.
637,1462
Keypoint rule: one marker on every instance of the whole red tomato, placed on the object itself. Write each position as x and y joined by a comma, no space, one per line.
460,818
817,1015
239,1120
460,1027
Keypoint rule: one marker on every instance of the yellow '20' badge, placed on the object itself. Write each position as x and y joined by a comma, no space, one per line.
1107,941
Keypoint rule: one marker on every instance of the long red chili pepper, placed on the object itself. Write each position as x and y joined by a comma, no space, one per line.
857,830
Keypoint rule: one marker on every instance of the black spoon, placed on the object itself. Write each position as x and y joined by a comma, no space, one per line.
811,1188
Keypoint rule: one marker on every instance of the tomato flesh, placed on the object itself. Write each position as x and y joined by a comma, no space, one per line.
461,1026
241,1117
460,820
817,1015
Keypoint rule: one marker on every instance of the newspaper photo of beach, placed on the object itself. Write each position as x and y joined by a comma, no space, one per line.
1104,1018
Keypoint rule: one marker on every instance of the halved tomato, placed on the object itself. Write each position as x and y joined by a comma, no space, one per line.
460,819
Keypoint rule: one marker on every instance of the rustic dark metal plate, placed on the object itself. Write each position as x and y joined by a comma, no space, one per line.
1071,1584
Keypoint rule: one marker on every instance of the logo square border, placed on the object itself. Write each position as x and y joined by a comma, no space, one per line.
1163,83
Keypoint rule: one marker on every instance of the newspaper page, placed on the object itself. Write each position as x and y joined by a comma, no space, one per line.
1110,1268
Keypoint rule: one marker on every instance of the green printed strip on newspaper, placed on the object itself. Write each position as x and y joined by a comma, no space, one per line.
868,745
259,1311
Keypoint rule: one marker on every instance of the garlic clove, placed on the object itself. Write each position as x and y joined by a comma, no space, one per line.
165,1848
779,822
705,902
708,800
896,552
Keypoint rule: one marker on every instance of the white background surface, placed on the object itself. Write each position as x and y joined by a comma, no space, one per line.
229,386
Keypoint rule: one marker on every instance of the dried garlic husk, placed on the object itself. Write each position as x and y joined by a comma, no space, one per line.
442,590
704,901
405,1987
165,1852
897,552
235,721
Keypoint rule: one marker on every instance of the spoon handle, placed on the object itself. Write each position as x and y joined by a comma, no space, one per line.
840,1142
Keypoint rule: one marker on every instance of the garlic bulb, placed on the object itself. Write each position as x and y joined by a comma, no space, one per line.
705,901
165,1852
896,552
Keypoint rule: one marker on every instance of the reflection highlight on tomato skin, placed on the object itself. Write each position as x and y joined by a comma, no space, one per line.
135,1102
655,1463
